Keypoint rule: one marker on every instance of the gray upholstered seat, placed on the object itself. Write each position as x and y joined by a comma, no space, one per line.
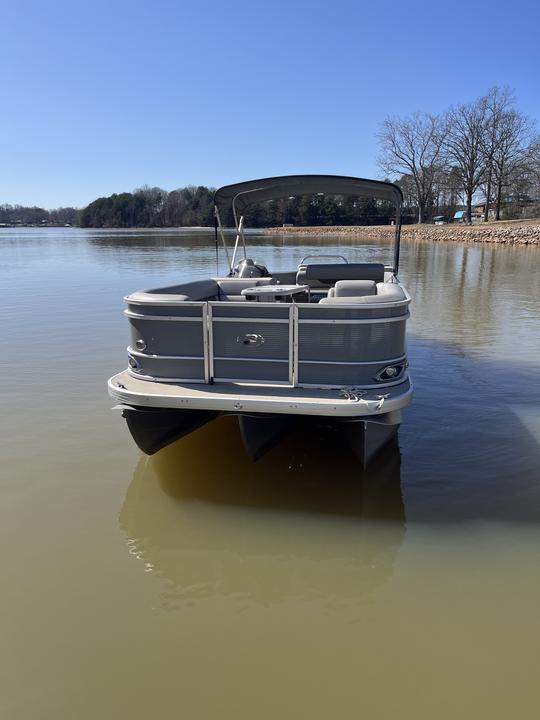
195,290
230,289
353,288
386,293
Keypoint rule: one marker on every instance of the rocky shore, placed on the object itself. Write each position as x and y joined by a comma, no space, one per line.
510,232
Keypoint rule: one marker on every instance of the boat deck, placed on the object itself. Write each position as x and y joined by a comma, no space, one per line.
246,398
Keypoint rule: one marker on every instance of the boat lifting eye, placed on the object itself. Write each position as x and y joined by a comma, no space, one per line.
140,345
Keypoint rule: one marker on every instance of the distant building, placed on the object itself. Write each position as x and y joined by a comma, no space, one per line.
476,215
481,208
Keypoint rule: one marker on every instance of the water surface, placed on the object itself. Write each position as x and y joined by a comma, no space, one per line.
200,584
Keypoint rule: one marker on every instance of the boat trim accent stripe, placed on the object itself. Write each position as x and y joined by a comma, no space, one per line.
292,335
206,351
151,378
359,321
177,318
244,359
361,386
273,383
137,353
250,319
354,362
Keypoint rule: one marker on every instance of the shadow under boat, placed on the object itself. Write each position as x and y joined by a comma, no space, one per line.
155,428
304,521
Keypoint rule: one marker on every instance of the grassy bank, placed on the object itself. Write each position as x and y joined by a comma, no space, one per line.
512,232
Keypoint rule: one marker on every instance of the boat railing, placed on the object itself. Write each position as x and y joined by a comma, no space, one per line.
341,257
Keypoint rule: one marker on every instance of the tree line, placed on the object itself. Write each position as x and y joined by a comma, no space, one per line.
193,206
484,149
21,215
152,207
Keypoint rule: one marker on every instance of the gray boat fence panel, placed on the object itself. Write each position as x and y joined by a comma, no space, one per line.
354,374
335,312
251,310
263,371
251,342
169,342
275,343
161,337
168,369
347,341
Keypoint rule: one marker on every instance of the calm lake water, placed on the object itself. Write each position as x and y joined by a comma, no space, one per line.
199,585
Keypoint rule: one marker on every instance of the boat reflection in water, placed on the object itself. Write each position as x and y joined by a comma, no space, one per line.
305,522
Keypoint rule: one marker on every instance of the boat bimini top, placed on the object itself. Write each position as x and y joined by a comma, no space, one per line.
240,196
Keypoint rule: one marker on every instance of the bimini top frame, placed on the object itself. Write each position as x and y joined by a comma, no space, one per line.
240,196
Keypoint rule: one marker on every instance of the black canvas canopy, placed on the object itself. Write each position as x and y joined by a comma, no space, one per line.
241,195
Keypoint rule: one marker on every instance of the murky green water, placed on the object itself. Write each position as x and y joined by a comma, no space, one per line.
197,584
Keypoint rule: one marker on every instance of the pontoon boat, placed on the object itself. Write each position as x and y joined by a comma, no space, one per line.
322,343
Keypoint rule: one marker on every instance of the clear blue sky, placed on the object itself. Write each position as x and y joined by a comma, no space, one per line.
101,97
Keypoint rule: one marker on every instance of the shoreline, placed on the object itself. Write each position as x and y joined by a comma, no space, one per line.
510,232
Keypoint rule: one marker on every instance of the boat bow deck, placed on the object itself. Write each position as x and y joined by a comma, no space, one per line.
242,398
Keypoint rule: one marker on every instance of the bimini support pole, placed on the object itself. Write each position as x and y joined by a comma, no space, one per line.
243,239
239,234
216,243
218,224
397,239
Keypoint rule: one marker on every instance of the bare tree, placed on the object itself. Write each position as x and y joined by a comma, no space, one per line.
528,181
532,161
498,101
441,189
414,146
408,188
465,143
510,151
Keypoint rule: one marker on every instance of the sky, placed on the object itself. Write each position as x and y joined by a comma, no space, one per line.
102,97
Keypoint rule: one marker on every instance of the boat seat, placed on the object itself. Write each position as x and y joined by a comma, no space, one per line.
195,290
353,288
386,293
327,274
200,290
230,289
234,285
